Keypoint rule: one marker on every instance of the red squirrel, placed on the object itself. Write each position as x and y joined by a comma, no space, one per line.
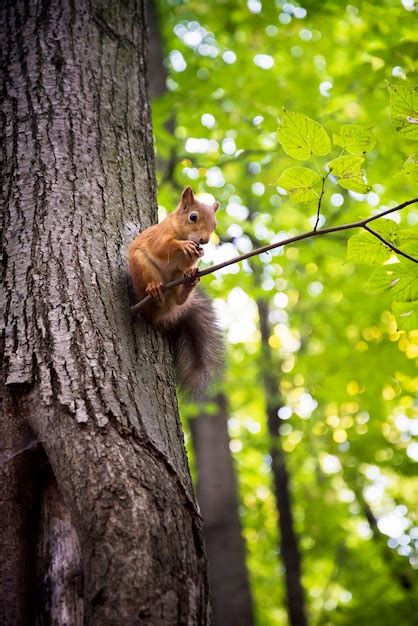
162,253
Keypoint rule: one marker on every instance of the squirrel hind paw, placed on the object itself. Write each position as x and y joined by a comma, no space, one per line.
191,276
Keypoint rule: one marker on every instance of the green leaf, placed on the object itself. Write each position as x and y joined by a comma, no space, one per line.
410,246
406,315
355,139
301,137
399,279
301,183
404,109
407,236
409,170
349,172
366,249
387,228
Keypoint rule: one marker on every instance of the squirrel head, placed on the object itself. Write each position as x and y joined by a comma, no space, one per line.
195,218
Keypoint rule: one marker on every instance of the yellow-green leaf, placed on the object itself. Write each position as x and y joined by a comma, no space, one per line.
355,139
301,183
404,109
349,172
409,170
408,236
400,279
406,315
301,137
366,249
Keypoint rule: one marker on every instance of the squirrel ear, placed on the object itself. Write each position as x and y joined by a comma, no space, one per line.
215,206
187,198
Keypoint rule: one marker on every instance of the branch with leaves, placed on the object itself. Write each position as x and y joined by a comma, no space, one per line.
304,139
312,233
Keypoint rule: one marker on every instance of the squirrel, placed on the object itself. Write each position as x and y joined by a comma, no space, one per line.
165,252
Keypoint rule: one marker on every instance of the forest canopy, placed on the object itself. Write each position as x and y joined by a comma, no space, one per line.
294,117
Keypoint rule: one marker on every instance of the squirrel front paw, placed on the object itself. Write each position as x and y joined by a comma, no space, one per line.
191,249
154,290
191,277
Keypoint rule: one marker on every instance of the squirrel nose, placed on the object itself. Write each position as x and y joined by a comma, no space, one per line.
203,240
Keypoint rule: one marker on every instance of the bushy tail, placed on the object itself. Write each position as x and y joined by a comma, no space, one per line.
198,347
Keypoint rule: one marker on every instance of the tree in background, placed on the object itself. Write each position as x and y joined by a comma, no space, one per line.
98,522
218,500
344,356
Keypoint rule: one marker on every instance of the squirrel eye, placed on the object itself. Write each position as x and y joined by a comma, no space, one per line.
193,217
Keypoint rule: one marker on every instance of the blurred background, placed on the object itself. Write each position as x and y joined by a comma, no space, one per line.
305,458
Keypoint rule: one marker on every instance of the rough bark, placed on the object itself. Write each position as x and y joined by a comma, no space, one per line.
288,539
218,500
58,597
92,386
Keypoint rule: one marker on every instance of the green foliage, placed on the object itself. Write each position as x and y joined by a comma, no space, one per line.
301,183
349,172
345,364
406,314
409,170
364,248
354,138
367,249
404,109
301,137
399,279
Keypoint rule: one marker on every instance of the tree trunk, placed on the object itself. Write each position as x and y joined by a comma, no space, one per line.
218,499
157,74
157,87
289,545
401,571
106,497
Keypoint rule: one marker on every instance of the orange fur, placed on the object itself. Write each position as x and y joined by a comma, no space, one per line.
165,252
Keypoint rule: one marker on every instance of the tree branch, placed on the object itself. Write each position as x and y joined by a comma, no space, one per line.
311,233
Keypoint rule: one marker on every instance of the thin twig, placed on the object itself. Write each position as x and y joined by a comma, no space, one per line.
278,244
321,195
